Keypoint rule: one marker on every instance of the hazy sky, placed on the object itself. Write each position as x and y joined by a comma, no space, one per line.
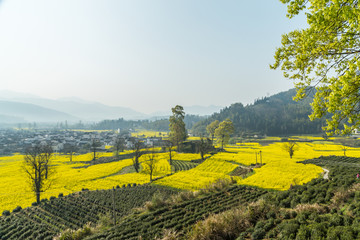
145,54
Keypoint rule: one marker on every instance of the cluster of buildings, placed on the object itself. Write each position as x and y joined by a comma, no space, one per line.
12,141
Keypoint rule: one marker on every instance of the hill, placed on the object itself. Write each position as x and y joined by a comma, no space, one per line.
274,115
11,112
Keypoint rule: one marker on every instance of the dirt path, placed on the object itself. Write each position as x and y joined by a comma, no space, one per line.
326,174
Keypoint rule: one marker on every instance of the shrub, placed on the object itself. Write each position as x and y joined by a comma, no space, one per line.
227,225
183,196
105,221
340,197
269,224
258,234
17,209
61,194
76,235
288,230
219,185
169,234
310,208
230,224
336,220
285,214
157,201
341,232
318,230
303,233
271,214
6,213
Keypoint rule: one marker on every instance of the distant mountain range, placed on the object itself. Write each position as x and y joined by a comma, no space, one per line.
14,112
22,107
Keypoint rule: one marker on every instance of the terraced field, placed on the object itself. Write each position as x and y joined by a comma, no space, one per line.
73,211
183,165
181,216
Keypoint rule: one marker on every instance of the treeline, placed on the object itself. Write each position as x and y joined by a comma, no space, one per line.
156,125
275,115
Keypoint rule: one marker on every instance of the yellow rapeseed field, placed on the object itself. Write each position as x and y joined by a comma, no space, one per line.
68,177
199,177
147,133
278,171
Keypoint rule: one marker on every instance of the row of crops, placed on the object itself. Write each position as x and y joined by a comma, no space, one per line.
183,165
320,209
74,211
181,216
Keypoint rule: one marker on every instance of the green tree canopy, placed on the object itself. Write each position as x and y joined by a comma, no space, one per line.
325,56
177,126
223,132
211,129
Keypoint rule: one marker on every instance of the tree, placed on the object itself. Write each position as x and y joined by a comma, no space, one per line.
37,168
345,144
211,129
290,147
119,146
169,146
223,132
94,147
177,126
204,146
70,149
325,57
137,145
150,163
47,153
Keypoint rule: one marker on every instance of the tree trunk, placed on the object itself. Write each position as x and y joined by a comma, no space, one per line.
170,159
38,196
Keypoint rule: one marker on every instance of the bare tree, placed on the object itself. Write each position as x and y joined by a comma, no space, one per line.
344,148
70,149
47,151
345,144
290,147
169,146
94,147
150,163
119,145
37,168
137,145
